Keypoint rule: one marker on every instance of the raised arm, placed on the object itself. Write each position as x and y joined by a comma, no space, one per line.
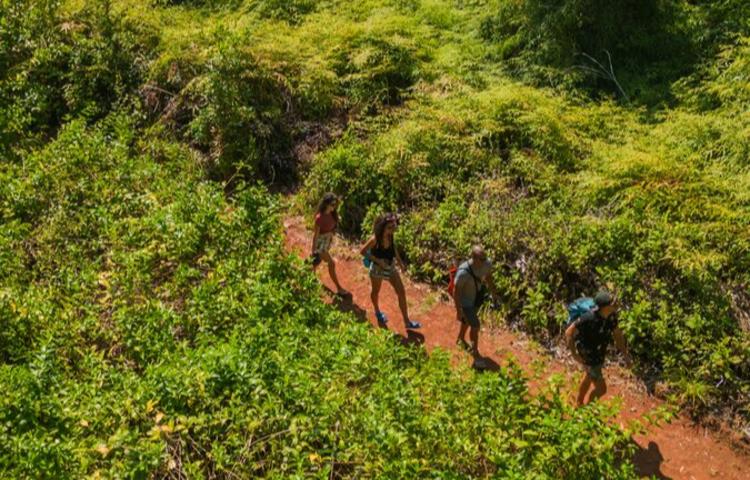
622,345
367,246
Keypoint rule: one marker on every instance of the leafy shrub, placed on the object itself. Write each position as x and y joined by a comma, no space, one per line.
564,211
582,40
377,70
240,120
167,333
436,152
56,64
291,11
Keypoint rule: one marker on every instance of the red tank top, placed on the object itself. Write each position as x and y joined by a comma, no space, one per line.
325,222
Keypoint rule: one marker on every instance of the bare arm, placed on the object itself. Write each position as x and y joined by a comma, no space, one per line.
570,337
622,345
367,246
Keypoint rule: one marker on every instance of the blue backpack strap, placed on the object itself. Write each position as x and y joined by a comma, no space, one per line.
366,261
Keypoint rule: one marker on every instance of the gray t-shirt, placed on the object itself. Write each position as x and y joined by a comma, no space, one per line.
465,285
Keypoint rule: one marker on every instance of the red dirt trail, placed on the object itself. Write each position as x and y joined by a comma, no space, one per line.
678,450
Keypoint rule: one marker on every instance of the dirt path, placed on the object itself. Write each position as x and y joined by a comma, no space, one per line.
677,450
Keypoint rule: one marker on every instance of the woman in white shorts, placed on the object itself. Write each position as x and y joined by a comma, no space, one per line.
326,222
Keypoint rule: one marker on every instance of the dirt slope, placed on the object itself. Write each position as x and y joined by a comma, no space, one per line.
677,450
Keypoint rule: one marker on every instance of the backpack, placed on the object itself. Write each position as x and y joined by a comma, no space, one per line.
481,290
366,261
452,279
577,309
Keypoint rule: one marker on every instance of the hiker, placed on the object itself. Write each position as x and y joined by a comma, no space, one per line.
472,280
326,222
381,255
588,338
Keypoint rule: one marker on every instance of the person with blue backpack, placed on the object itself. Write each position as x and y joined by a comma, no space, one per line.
380,256
591,327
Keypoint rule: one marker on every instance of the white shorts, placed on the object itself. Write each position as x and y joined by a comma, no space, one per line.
323,242
376,271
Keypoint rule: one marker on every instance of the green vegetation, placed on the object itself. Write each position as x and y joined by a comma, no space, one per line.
152,325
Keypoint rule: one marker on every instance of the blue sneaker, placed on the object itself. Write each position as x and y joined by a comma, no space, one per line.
413,325
382,319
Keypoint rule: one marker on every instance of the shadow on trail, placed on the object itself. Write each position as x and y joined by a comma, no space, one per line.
648,462
346,304
485,364
412,338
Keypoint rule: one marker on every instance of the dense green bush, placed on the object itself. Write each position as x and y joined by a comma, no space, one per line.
650,44
240,119
565,206
291,11
158,328
643,44
447,149
54,64
152,325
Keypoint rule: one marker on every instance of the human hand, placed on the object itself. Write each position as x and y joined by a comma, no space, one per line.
576,356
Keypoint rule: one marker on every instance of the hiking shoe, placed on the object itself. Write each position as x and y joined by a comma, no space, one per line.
410,325
382,319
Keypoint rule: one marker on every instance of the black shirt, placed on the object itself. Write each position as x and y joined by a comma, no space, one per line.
384,253
594,336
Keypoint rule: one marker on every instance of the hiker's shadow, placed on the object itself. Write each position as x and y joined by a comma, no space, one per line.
648,462
412,338
485,364
346,304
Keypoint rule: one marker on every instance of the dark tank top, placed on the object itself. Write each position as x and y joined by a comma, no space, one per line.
384,253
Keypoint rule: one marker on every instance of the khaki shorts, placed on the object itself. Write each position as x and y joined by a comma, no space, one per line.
376,271
323,242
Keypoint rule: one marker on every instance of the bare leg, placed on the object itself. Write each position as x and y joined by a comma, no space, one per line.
462,332
583,389
474,336
375,293
600,388
332,269
398,286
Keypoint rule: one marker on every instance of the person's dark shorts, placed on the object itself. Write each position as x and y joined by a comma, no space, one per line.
470,316
594,371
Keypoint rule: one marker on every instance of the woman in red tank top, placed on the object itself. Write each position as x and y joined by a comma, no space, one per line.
326,221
